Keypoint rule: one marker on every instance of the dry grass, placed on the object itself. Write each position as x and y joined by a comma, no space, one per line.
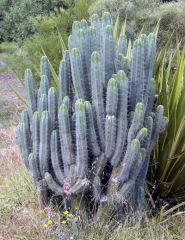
21,216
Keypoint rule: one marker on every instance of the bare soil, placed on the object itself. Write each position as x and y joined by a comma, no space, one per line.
8,82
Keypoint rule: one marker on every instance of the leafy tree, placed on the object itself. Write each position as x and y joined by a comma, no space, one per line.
18,16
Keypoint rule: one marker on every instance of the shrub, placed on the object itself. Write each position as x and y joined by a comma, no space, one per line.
18,16
136,12
51,28
93,153
145,14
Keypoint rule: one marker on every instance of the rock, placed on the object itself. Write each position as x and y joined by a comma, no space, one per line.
2,64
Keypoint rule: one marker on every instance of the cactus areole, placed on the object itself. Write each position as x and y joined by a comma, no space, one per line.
90,140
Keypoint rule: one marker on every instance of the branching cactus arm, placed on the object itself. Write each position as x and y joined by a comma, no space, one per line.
30,92
45,68
44,151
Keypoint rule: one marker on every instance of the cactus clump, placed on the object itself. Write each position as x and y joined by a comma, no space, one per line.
91,142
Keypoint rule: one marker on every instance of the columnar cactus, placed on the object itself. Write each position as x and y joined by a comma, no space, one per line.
94,140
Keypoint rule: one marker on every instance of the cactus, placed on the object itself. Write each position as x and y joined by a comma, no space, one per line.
93,145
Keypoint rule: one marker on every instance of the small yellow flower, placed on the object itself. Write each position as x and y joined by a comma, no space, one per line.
70,215
64,222
45,225
50,222
66,212
42,212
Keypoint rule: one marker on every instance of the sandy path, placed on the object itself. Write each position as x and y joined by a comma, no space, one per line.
8,81
7,100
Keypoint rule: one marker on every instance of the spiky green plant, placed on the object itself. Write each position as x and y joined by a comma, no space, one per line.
168,167
93,149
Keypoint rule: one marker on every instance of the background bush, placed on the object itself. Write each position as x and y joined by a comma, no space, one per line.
44,33
18,16
52,30
144,14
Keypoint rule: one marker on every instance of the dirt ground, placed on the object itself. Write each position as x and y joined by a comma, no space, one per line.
8,82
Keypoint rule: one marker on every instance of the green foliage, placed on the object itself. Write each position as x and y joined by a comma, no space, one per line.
17,22
168,168
144,14
18,16
137,12
53,31
52,28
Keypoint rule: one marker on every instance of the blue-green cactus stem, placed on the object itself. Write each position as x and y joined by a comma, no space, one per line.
146,144
44,85
45,68
86,55
71,43
43,103
151,55
40,183
95,21
159,125
38,95
80,186
150,95
30,92
134,171
44,149
83,24
122,44
141,77
144,61
81,139
134,74
94,42
53,185
92,138
97,95
122,64
111,117
66,101
66,58
137,121
107,20
36,134
112,98
130,158
55,158
142,134
53,107
25,144
34,167
64,80
96,24
108,54
65,138
78,74
25,119
110,135
76,27
122,82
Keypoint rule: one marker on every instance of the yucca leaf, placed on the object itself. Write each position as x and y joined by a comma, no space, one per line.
116,29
